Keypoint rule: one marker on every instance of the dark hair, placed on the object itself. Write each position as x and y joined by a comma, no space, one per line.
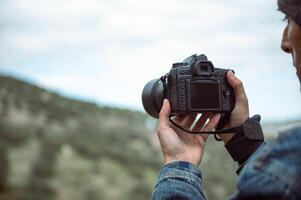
291,8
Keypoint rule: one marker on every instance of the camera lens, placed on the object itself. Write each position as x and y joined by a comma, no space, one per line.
152,97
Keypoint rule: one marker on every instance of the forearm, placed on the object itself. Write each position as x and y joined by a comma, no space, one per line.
179,180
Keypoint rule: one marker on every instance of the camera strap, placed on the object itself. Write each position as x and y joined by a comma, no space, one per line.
221,124
247,139
251,129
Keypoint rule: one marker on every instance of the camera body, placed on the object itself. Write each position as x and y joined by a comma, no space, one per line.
196,86
192,86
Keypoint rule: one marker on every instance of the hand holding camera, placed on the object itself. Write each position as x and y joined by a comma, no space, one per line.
177,145
193,87
240,112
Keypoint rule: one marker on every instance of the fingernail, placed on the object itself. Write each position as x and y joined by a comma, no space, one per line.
217,115
231,74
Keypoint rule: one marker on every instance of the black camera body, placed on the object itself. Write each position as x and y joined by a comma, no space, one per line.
192,86
196,86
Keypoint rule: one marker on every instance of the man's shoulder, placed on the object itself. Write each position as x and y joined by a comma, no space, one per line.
288,145
289,134
277,164
286,149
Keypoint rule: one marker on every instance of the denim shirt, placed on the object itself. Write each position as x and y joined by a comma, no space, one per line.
273,172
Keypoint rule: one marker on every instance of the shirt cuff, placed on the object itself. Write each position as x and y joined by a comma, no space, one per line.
182,170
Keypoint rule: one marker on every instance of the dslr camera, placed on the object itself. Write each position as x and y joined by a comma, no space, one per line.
191,86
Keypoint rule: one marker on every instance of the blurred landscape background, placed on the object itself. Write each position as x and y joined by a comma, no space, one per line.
53,147
72,125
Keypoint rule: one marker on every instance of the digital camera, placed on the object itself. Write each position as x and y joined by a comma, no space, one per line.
192,86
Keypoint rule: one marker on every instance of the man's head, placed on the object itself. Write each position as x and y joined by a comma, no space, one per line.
291,41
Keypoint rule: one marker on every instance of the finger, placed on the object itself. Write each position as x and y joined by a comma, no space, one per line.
179,118
188,120
212,122
238,87
201,139
164,114
201,121
200,126
185,120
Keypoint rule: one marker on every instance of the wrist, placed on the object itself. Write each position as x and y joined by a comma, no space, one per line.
169,160
226,137
243,144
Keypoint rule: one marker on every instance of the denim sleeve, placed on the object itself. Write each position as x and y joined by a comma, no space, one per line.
179,180
274,172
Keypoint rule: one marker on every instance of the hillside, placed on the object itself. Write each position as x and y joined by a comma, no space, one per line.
52,147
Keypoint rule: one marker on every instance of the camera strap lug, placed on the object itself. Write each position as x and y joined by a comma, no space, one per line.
163,79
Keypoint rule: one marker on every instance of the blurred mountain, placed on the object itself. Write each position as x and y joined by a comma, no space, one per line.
53,147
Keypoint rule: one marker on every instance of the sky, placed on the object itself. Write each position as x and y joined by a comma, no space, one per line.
105,51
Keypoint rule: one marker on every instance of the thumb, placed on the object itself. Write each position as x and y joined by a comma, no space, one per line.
164,114
238,87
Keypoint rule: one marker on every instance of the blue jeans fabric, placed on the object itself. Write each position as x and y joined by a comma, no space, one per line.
273,172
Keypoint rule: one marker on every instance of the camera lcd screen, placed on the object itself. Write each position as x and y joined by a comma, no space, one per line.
204,95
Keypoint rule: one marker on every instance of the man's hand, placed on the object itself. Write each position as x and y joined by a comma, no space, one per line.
240,112
178,145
